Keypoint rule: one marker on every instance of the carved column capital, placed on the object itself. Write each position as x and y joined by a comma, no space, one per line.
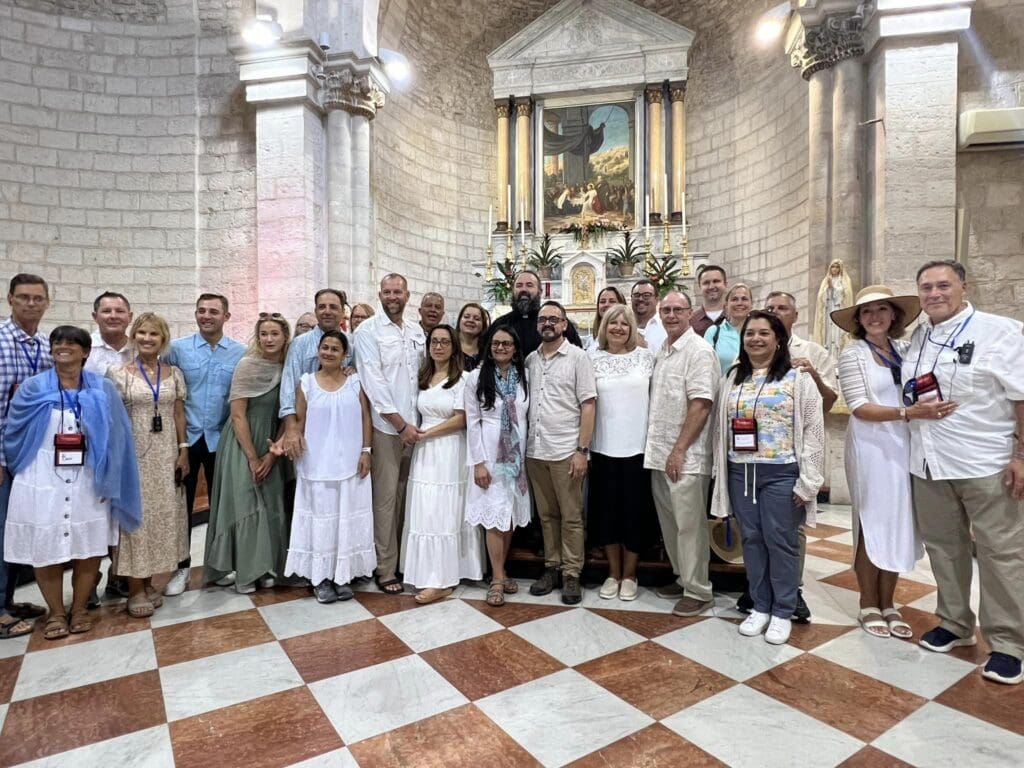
825,45
653,95
352,92
677,91
501,109
524,107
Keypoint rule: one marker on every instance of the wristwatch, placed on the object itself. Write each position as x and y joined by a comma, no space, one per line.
581,449
367,449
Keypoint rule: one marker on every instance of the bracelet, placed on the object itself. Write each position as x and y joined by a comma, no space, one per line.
182,445
403,427
903,413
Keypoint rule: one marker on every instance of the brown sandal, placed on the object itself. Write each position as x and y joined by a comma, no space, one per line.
495,594
156,597
139,606
511,586
56,628
81,621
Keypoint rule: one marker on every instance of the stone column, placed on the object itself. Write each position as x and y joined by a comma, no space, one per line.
524,190
501,109
848,211
655,153
677,93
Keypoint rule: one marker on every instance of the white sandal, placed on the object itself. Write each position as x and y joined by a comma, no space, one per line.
897,626
875,627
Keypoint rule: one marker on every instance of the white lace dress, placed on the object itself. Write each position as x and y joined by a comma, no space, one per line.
501,506
440,546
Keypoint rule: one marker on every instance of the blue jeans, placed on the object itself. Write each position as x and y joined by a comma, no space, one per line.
770,530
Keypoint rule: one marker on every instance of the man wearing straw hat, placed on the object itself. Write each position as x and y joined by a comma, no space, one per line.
968,465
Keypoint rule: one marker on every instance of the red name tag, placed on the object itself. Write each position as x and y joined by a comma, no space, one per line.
69,449
744,434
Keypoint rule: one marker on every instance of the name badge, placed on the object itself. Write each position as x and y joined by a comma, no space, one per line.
744,435
69,449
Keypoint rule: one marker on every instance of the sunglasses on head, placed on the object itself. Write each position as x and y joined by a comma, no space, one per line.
275,315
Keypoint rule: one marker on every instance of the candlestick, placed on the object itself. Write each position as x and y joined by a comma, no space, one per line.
685,243
522,256
509,252
490,215
647,251
666,241
489,266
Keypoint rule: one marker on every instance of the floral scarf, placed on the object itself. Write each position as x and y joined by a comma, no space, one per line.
510,456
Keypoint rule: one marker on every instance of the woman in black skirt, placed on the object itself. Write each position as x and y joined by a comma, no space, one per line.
620,511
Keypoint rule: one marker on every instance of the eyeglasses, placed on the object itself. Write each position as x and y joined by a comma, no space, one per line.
548,320
275,315
440,342
502,344
646,296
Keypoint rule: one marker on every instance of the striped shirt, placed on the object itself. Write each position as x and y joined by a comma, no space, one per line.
21,356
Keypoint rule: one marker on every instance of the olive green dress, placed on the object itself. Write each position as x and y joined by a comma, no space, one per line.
248,531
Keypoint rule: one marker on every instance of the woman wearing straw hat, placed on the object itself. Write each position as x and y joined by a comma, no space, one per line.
878,451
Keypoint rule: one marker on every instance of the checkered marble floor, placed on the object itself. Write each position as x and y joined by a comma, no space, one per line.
274,679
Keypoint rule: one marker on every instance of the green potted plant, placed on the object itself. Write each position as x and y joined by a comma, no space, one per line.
545,258
501,288
627,255
664,273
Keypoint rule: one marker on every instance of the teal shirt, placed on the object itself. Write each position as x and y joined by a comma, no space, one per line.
207,374
726,341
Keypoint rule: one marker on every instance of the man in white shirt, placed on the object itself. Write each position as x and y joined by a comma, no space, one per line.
812,358
967,467
113,315
644,300
563,396
389,351
678,452
431,311
712,283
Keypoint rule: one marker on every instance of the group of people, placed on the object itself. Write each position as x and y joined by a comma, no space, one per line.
370,445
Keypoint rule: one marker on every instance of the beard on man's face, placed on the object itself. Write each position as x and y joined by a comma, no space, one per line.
527,304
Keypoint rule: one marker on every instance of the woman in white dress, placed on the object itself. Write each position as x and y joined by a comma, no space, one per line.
441,547
68,445
620,508
878,451
498,499
332,527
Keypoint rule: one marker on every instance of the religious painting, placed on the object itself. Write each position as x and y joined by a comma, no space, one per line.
589,179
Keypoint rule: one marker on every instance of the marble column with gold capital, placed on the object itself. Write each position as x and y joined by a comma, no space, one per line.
655,151
501,109
523,190
677,94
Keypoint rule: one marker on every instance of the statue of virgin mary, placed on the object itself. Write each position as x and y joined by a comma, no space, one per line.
835,292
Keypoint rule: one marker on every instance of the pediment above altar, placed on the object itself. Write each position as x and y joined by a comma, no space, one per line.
590,45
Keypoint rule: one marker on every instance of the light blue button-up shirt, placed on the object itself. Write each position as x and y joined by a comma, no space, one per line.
302,358
208,372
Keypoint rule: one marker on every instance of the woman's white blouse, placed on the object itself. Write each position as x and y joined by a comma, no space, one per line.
623,399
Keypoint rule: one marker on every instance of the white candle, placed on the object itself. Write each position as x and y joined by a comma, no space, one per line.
490,215
647,215
508,209
522,223
684,211
668,208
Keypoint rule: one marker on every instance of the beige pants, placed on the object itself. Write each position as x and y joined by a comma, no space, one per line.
559,501
681,512
388,495
946,512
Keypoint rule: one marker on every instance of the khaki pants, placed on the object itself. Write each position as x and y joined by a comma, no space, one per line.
946,512
388,493
559,501
684,528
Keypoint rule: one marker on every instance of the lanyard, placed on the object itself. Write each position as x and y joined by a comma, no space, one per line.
33,362
155,390
739,394
949,343
76,406
895,362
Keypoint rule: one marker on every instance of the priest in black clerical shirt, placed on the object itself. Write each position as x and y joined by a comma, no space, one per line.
523,317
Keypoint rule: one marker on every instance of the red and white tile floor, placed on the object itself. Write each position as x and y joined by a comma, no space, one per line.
274,679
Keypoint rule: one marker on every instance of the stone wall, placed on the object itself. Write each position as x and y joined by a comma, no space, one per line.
991,183
125,161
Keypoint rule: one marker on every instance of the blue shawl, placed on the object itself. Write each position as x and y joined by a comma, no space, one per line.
110,447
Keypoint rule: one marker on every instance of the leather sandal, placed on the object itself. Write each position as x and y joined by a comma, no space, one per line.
897,626
874,627
56,628
496,594
139,606
81,621
156,597
14,628
511,586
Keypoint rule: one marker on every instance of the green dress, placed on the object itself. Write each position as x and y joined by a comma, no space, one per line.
248,530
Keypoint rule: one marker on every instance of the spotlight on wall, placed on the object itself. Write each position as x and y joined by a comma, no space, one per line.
262,31
772,24
396,66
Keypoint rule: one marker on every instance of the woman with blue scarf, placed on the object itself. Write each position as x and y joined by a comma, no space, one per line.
498,499
68,444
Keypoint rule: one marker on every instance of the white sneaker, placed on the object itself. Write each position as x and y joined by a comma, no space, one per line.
754,624
627,589
778,631
609,589
178,582
227,581
265,582
245,589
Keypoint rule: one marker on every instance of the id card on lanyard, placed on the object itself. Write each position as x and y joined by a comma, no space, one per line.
744,429
69,447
